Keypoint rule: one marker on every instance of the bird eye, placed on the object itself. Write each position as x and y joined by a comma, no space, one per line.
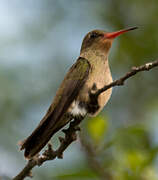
93,35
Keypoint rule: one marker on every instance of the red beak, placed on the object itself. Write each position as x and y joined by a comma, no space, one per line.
112,35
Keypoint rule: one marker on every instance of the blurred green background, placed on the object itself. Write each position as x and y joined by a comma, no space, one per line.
39,40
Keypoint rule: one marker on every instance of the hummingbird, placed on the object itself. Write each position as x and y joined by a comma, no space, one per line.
90,72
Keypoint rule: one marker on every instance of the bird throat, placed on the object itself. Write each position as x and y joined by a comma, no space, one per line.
95,55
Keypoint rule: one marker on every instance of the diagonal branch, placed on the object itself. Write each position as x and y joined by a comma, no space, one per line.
70,133
121,81
50,154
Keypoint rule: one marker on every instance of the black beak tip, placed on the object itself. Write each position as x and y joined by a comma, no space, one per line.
133,28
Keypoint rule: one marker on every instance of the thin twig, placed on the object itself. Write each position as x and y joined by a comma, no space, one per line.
121,81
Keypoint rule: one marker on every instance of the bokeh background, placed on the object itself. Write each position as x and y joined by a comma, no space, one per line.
39,40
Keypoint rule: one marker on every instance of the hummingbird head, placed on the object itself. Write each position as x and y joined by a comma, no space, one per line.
100,41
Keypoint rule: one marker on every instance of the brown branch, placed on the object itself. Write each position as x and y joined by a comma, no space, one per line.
70,133
121,81
50,154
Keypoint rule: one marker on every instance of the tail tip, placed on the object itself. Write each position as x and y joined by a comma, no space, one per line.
21,145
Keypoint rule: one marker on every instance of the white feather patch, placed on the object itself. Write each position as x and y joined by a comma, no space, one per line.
77,110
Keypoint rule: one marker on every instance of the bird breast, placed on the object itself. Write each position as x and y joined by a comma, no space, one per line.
99,76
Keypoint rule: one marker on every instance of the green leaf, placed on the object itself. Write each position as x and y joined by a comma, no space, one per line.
97,126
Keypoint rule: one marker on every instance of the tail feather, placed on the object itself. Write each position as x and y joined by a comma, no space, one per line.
40,137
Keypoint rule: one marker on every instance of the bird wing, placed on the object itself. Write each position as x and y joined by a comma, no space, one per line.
69,89
67,92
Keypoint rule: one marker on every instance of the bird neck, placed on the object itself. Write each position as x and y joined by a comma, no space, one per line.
95,57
